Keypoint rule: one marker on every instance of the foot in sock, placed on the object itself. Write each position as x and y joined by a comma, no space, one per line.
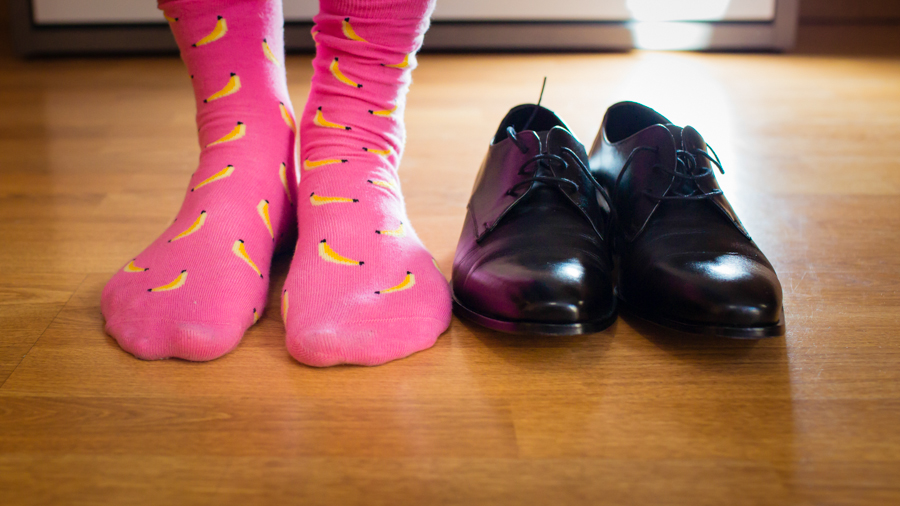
194,291
362,288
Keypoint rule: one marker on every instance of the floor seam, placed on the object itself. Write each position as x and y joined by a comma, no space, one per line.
66,303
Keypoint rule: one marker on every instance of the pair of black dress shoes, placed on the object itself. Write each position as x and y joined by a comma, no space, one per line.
556,238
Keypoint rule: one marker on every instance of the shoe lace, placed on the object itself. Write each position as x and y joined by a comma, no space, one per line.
547,159
685,169
550,161
553,163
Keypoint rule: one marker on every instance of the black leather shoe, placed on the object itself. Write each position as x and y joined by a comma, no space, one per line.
685,260
533,256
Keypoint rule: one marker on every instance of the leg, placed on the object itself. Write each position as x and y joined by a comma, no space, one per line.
362,288
194,291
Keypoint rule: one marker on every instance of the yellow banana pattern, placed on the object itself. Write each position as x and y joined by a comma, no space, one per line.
381,152
325,251
241,252
288,119
401,65
336,72
349,32
315,164
175,284
269,54
384,112
320,120
282,173
222,174
397,232
329,255
321,201
134,268
218,32
384,184
193,228
408,282
236,133
230,88
263,209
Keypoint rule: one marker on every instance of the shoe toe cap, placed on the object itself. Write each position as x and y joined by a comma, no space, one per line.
539,289
715,289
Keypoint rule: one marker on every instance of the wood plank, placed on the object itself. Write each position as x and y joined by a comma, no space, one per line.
20,329
200,480
28,303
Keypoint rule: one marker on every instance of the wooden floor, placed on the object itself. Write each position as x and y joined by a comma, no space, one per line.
94,158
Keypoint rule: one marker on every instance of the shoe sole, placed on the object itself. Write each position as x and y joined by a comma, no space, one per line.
524,327
762,332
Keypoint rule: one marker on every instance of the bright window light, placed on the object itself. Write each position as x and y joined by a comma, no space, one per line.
678,10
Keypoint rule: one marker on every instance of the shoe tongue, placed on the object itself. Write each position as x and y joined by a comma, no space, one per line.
692,139
687,138
676,132
552,143
559,138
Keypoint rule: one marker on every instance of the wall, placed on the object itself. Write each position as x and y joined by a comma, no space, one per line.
5,36
849,11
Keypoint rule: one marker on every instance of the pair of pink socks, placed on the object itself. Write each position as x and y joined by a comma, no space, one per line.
362,289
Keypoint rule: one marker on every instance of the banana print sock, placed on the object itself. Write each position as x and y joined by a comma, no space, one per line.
194,291
362,288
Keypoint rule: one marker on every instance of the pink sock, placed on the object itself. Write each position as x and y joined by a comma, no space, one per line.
194,291
362,288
